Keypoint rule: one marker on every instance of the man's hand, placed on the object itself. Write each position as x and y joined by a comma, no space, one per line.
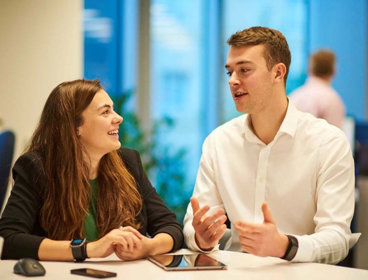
262,239
208,228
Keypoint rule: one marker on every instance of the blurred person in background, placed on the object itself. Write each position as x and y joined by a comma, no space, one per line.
317,96
77,194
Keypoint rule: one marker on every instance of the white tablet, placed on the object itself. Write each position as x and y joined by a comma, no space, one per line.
187,262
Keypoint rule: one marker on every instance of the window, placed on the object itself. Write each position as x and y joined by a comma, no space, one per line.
188,50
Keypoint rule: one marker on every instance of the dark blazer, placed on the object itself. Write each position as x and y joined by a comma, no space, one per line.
20,223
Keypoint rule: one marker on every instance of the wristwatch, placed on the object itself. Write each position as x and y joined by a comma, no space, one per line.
292,248
79,249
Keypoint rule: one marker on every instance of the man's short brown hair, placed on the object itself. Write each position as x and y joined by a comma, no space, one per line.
322,63
276,46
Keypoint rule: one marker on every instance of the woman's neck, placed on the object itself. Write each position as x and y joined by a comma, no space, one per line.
93,162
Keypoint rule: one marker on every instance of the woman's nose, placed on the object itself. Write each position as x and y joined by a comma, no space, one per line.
118,119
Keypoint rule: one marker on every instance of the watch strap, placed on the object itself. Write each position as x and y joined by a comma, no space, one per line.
79,251
292,248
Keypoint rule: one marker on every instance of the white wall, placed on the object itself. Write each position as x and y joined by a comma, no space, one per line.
41,45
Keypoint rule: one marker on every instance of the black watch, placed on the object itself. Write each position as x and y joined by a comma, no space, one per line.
79,249
292,248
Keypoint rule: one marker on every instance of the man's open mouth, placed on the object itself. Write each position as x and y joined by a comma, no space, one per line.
239,94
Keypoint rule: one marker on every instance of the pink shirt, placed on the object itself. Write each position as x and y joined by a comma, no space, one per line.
318,98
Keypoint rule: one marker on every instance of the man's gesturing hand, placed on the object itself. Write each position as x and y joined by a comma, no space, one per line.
208,228
262,239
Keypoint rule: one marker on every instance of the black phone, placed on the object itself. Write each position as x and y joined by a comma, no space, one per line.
93,272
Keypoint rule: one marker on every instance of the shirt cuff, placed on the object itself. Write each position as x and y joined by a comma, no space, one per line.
305,249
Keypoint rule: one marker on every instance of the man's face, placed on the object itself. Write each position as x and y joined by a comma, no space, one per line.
250,81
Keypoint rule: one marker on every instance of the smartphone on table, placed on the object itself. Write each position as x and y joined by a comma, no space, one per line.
93,272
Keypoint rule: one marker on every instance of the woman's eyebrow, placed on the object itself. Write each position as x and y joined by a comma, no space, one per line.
104,106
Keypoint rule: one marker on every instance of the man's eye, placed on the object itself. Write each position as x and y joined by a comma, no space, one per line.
243,70
229,73
105,112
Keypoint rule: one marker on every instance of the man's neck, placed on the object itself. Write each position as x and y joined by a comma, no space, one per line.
267,123
325,79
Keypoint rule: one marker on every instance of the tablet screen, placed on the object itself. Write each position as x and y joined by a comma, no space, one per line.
187,262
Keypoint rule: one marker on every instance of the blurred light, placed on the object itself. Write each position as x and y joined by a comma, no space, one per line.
99,28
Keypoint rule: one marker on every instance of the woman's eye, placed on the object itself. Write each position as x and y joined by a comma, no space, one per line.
105,112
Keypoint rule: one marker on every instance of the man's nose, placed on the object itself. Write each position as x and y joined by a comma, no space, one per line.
233,79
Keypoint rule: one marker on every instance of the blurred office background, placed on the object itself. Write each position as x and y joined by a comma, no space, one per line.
163,62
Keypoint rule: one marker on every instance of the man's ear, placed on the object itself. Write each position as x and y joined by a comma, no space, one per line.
279,71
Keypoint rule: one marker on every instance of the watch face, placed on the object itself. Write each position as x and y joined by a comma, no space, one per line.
77,241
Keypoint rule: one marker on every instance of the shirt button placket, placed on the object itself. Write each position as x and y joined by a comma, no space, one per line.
261,183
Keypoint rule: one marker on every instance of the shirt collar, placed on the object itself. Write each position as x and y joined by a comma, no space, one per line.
290,121
288,126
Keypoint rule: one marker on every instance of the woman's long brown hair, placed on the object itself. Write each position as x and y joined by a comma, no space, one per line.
67,188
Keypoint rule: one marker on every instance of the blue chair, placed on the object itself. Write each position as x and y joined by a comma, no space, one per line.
7,141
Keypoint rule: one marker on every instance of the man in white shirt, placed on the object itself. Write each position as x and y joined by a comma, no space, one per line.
284,178
317,96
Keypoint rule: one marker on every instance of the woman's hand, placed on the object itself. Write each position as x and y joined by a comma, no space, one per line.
128,239
159,244
135,253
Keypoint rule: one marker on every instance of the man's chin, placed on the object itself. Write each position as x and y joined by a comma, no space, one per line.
242,110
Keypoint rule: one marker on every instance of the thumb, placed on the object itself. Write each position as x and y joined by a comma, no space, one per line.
267,215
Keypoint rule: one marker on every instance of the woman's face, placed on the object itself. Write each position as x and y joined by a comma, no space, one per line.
99,132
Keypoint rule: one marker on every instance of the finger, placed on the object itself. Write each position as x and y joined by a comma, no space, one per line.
130,242
216,225
118,254
137,243
248,249
250,240
245,242
244,227
249,236
195,204
213,218
219,221
121,244
132,230
219,233
198,216
267,215
126,256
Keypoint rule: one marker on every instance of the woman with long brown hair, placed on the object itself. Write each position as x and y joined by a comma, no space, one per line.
77,193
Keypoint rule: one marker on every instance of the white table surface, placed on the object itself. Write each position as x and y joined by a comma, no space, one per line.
240,266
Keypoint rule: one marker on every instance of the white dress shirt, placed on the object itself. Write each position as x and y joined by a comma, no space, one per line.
306,174
318,98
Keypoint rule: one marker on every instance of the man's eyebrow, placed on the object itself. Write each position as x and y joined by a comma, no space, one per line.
238,63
